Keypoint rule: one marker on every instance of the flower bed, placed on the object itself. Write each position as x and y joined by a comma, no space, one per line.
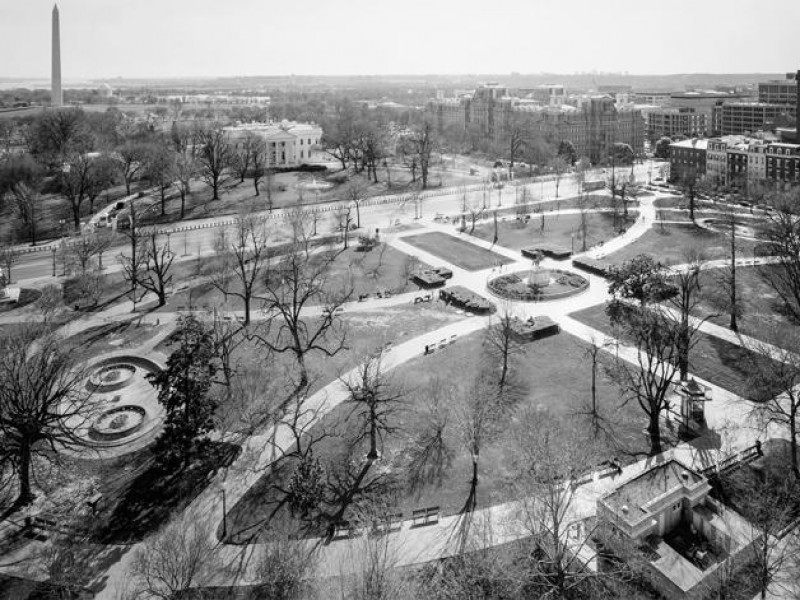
515,286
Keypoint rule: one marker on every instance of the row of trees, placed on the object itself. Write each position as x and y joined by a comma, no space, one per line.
79,157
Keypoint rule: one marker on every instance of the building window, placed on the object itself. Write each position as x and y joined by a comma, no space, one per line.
301,152
301,141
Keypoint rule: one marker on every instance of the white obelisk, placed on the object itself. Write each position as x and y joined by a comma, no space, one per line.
56,97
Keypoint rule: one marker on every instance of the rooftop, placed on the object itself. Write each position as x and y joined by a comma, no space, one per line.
637,493
696,143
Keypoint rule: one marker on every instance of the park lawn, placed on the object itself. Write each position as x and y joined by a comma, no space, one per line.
711,358
381,268
761,313
558,230
366,333
548,368
115,335
667,244
456,251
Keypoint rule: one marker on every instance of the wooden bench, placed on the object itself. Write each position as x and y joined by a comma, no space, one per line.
422,517
453,338
388,524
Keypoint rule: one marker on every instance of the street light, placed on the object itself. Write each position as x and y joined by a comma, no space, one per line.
53,250
61,227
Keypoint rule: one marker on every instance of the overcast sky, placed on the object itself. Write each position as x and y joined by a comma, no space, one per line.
164,38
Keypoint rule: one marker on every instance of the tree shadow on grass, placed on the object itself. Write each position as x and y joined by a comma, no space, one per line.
139,505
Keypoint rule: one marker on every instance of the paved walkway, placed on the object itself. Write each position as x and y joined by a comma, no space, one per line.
728,417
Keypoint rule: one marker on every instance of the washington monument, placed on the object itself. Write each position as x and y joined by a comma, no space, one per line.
56,97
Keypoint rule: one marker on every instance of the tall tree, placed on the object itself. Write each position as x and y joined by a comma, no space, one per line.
244,254
73,183
185,171
23,179
160,169
183,389
131,162
214,156
43,401
299,280
648,379
501,342
419,147
783,238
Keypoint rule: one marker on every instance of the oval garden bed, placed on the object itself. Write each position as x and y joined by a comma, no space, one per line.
515,286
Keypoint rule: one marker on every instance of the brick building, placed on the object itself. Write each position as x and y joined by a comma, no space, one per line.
592,128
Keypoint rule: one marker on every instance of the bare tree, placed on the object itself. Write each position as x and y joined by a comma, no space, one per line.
375,401
150,267
213,157
430,454
242,156
656,340
284,568
246,256
477,418
356,193
43,401
131,161
28,198
181,557
299,280
501,342
343,220
774,384
259,161
688,297
160,169
419,148
185,171
783,236
559,165
550,454
73,182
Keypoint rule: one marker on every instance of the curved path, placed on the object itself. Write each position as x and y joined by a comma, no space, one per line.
728,416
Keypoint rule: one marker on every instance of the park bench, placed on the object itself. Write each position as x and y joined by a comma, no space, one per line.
181,309
227,318
443,343
388,524
341,530
240,318
453,338
425,516
427,298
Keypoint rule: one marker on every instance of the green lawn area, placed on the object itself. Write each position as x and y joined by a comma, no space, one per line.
558,230
556,377
760,305
711,358
457,251
382,268
668,243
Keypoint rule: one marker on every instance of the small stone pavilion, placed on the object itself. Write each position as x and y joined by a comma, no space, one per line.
664,525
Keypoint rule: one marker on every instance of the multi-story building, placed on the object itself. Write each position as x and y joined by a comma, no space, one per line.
592,128
289,143
717,161
779,91
783,163
687,159
702,103
671,122
735,118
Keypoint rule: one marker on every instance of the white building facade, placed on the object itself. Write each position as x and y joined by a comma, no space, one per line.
289,144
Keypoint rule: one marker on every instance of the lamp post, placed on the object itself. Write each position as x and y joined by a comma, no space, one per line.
61,227
53,250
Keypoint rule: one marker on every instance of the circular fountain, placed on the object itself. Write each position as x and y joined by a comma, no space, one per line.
128,419
538,284
314,185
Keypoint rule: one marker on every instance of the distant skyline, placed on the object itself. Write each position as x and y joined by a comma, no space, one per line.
206,38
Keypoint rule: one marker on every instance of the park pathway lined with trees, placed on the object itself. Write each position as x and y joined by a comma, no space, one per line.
727,416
